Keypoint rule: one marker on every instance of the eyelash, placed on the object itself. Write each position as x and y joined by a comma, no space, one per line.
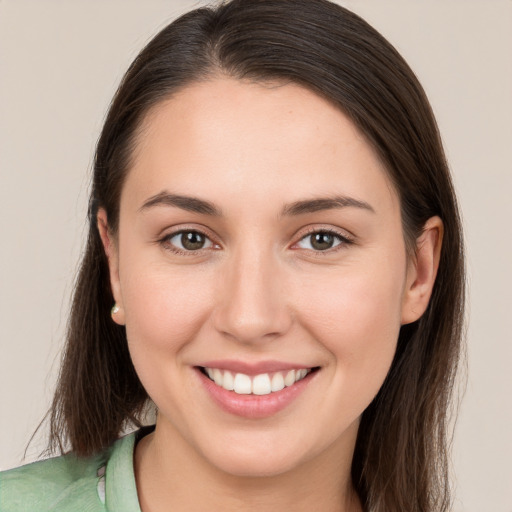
166,242
343,241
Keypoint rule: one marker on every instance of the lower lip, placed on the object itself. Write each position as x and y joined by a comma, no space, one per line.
254,406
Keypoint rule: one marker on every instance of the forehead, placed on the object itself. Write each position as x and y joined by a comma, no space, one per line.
254,139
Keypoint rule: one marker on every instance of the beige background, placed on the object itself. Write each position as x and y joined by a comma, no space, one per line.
60,63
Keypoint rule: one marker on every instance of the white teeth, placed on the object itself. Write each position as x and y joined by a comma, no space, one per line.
290,378
300,374
217,377
228,383
261,384
277,382
242,384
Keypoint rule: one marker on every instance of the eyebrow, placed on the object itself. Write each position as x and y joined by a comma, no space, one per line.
324,203
196,205
190,204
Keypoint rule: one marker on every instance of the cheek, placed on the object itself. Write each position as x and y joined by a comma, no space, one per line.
358,321
348,304
164,311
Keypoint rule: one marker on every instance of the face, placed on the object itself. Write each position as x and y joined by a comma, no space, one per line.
260,241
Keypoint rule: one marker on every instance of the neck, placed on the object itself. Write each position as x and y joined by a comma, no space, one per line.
172,476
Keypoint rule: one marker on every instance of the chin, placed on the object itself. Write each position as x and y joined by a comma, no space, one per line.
255,465
258,456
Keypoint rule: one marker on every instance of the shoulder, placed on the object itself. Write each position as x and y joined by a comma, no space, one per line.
64,484
48,484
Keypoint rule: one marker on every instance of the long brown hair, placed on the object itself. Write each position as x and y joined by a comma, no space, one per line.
400,462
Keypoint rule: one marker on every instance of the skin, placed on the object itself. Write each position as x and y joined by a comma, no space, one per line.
260,290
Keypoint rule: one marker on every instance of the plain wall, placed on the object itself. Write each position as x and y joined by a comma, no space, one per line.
60,62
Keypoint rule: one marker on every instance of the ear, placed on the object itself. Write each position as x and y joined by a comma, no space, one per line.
422,271
112,254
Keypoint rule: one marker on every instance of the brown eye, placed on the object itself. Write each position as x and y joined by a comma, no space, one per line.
189,241
321,241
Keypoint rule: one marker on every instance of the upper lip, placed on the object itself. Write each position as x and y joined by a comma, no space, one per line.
253,367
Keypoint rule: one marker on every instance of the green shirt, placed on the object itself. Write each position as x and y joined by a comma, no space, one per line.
104,482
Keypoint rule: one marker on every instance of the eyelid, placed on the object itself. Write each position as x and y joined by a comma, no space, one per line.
164,240
344,237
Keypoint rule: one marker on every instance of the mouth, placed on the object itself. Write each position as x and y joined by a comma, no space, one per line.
255,390
260,385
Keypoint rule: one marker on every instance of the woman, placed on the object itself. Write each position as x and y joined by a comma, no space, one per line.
275,260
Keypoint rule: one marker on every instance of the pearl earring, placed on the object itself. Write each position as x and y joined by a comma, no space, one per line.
115,309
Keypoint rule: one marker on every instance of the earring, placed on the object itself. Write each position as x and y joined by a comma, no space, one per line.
114,310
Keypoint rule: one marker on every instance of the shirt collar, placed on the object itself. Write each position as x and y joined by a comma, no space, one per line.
120,486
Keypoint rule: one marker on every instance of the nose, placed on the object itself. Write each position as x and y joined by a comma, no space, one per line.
251,305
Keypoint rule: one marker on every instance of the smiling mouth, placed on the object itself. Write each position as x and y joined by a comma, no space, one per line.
262,384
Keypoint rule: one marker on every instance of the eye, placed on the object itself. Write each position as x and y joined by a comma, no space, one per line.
187,241
322,240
